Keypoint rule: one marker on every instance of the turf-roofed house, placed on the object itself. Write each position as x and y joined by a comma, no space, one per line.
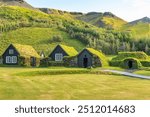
90,57
61,51
23,55
131,60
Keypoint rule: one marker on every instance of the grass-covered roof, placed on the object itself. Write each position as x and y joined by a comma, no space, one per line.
71,51
99,54
138,55
26,50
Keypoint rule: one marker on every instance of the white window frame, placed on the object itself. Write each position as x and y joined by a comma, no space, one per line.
14,59
11,51
8,59
11,59
58,57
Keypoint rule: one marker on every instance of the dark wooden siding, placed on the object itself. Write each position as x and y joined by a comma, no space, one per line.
6,53
58,49
82,55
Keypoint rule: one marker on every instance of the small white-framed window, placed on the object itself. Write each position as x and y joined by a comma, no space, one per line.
14,59
11,51
8,59
58,57
11,59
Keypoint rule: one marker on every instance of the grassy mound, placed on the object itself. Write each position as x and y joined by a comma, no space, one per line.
136,64
138,57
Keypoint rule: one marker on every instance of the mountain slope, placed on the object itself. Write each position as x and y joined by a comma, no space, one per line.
139,28
25,26
142,20
105,20
20,3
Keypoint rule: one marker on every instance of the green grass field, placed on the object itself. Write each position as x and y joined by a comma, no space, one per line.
14,84
143,72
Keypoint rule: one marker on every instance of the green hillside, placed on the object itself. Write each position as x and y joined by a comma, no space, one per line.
20,3
105,20
139,30
44,31
40,38
25,26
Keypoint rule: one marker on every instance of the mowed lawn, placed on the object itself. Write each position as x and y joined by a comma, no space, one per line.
69,86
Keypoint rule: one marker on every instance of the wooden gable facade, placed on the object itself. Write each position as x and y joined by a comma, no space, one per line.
90,57
10,56
60,51
17,54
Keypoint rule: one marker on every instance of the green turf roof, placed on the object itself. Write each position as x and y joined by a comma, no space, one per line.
137,55
26,50
71,51
99,54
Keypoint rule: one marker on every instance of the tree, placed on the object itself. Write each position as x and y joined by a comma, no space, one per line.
146,48
133,47
128,46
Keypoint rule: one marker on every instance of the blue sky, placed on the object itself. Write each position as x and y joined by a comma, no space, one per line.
127,9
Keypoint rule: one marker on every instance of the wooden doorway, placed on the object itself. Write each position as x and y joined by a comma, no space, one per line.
130,64
33,61
85,62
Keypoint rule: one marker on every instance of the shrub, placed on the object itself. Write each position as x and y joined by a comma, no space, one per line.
26,61
115,63
44,62
145,63
70,61
56,38
55,63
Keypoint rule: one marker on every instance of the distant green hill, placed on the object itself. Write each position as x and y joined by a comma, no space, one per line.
26,26
105,20
20,3
44,30
139,28
142,20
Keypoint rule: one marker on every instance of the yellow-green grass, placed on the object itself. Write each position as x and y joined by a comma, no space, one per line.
143,72
114,22
39,38
74,86
109,57
140,30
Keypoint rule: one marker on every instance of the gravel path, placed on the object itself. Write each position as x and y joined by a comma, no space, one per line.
128,74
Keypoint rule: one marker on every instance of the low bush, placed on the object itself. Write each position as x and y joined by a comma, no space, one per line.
64,71
145,63
55,63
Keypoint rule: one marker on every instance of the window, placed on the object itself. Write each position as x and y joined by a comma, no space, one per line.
11,59
58,57
8,59
14,59
11,51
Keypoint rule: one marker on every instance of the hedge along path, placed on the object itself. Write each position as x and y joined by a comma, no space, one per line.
62,72
128,74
